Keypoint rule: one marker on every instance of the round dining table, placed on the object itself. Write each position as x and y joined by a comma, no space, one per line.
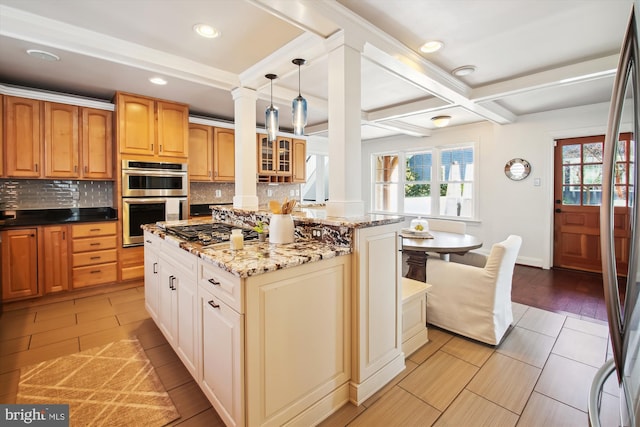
441,242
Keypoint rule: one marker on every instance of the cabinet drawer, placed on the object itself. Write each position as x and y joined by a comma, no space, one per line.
95,257
180,258
99,243
95,275
93,229
221,284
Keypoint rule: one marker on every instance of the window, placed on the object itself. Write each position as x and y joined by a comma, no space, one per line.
437,182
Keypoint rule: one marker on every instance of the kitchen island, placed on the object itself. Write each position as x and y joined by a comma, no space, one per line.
281,334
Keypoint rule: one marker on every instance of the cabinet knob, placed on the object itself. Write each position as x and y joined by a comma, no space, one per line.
213,304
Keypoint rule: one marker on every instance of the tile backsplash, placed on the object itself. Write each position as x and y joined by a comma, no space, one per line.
205,192
18,194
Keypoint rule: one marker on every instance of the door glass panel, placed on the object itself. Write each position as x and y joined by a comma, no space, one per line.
592,174
571,175
591,195
571,154
571,195
592,153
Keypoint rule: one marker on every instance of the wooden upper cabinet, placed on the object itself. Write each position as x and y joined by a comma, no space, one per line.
23,136
136,124
173,129
61,140
152,127
224,149
200,152
299,160
97,144
267,160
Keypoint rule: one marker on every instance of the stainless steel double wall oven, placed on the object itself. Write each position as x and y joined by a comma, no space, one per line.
151,192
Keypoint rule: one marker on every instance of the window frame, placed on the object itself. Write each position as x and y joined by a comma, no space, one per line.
435,181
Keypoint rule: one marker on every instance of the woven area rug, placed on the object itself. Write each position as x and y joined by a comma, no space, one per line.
113,385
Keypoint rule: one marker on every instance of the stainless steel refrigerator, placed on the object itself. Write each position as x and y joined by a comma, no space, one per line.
621,288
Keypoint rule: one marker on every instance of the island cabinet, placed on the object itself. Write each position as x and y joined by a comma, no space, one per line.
271,349
211,153
152,127
171,297
376,281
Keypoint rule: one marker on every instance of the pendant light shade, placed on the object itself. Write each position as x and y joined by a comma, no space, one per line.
271,117
299,106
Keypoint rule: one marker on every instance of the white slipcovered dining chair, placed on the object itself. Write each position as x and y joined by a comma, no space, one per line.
471,294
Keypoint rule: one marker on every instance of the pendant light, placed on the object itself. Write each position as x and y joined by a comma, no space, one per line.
299,106
271,118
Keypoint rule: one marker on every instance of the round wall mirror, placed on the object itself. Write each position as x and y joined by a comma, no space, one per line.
517,169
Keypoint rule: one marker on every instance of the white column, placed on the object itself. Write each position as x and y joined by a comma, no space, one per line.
245,139
345,177
320,177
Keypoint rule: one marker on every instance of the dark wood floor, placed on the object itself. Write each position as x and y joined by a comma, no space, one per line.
560,291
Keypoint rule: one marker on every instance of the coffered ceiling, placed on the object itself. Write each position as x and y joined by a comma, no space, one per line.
530,55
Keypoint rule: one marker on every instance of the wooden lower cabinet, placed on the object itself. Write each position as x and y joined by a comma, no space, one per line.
19,263
131,263
94,254
54,258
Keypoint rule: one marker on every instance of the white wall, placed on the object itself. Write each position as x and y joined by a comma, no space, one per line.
505,206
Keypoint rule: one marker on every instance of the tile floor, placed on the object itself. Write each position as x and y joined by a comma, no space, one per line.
538,376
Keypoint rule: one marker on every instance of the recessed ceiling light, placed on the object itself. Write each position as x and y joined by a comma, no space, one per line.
441,121
158,81
206,31
432,46
465,70
44,55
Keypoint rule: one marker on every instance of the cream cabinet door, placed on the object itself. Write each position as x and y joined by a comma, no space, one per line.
222,357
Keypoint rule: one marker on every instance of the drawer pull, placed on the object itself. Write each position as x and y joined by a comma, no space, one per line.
95,257
148,241
155,270
214,282
213,304
171,279
94,244
96,271
95,229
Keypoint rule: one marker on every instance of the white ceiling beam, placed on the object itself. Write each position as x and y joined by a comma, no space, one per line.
405,128
599,68
48,32
408,109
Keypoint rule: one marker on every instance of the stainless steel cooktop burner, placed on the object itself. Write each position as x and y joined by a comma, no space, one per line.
208,233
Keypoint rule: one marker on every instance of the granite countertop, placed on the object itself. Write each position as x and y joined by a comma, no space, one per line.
256,258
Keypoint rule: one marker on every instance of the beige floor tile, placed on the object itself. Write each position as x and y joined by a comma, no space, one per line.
16,327
409,368
189,400
45,338
151,339
103,337
542,411
14,345
208,418
527,346
592,326
518,311
132,316
505,381
470,351
125,296
129,306
92,302
437,338
173,374
469,409
162,355
542,321
397,408
95,314
9,383
343,416
609,410
57,322
53,308
567,381
582,347
47,352
439,380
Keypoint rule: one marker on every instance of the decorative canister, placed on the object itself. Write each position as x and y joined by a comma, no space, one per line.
281,228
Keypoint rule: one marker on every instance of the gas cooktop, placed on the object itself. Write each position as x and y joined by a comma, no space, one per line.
208,233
